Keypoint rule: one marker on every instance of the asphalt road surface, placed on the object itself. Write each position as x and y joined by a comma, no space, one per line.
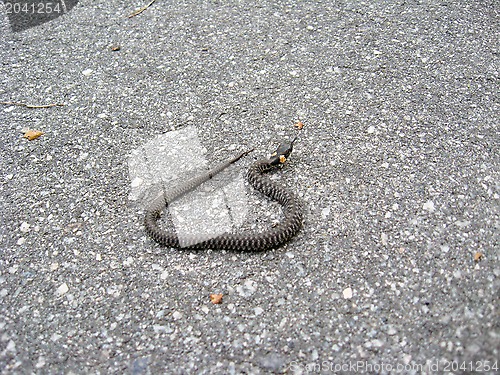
396,269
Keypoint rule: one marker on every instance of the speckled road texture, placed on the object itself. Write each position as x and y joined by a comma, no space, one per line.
397,167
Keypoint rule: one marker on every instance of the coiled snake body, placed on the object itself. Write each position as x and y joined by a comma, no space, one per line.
253,241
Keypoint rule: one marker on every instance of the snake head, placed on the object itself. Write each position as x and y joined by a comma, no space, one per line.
282,153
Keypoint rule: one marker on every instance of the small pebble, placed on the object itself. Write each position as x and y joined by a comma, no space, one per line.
55,337
347,293
247,289
391,331
63,289
428,206
40,363
325,212
384,238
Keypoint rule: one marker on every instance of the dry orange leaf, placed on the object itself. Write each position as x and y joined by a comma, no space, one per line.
478,256
216,298
299,125
32,134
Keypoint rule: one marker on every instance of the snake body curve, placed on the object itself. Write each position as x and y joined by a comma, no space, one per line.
252,241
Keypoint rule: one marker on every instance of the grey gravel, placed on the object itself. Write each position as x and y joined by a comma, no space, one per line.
397,166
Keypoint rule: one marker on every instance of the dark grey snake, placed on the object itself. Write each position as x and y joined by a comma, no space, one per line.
253,241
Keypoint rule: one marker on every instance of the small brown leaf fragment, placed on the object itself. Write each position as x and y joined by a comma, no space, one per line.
216,298
478,256
299,125
32,134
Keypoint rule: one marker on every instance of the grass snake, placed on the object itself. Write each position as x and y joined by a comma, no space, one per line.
252,241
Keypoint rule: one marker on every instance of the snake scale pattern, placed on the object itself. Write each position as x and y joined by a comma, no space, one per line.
252,241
